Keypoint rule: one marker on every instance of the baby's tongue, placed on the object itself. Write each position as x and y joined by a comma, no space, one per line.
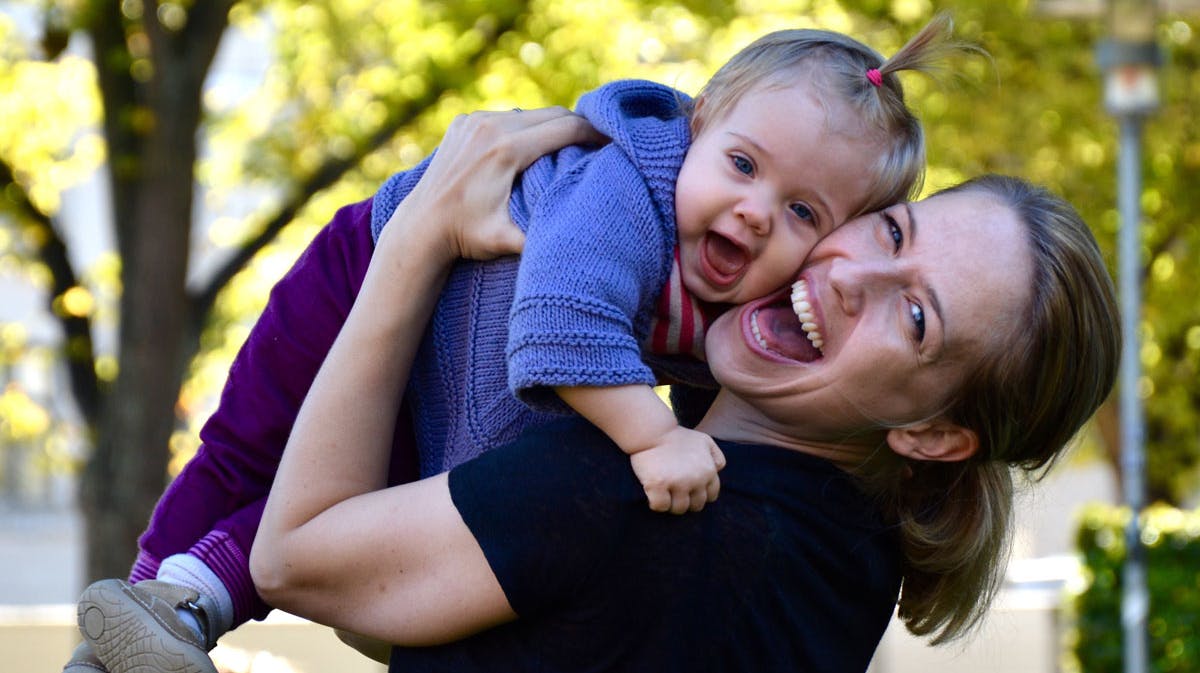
725,257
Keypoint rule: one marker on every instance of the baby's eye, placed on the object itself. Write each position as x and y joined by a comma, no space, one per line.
743,165
803,212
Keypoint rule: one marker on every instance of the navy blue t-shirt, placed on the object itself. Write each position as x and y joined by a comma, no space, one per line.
790,569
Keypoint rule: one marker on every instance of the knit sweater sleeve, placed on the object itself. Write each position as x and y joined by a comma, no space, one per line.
596,257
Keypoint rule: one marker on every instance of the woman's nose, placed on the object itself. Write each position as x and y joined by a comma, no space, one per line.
855,280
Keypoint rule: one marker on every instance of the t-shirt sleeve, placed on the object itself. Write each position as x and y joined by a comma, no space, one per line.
595,260
547,518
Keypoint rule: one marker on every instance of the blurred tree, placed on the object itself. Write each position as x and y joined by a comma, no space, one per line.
356,89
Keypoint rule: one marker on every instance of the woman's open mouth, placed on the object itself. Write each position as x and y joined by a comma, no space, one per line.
723,259
785,327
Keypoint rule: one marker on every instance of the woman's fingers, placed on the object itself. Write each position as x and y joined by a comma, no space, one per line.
466,187
546,133
510,141
468,183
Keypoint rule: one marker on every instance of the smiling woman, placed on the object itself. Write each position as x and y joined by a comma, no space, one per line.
876,462
970,332
903,303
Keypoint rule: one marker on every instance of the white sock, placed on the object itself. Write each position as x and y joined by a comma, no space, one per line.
188,571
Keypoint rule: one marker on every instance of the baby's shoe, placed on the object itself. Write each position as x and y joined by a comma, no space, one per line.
136,627
84,660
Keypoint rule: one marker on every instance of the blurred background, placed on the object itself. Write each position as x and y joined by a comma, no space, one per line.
163,163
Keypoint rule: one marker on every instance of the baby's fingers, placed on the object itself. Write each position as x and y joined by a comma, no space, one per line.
699,498
659,498
718,456
681,501
712,489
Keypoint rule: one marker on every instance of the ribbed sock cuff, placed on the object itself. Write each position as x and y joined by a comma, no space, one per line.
144,568
221,553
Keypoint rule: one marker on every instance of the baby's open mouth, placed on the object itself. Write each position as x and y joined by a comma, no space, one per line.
724,258
788,327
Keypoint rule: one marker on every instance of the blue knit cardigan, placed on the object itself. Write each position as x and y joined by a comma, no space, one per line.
600,234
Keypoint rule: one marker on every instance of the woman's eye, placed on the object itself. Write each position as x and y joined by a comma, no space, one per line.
895,232
918,318
803,212
743,165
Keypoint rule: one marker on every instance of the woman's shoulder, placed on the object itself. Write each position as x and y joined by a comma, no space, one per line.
798,481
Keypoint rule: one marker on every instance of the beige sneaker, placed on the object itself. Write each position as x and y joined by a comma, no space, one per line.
84,660
135,629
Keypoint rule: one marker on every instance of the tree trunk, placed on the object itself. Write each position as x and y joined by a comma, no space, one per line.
152,163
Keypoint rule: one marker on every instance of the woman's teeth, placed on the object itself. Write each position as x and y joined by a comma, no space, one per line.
757,332
803,310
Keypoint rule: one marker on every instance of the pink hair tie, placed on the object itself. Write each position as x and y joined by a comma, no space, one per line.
875,77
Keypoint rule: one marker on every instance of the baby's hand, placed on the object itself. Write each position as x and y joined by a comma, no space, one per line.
679,473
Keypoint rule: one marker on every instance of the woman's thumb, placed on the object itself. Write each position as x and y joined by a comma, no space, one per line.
510,240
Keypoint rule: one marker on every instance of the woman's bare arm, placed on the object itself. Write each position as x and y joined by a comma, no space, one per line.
334,545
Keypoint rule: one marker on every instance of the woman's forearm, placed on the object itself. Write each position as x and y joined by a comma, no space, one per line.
397,564
339,445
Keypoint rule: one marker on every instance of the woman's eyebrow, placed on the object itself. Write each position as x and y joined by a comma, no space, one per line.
934,302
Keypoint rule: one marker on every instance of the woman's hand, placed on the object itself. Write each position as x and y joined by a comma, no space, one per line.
463,196
329,537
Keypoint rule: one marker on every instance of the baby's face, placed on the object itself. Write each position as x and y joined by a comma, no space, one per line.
760,186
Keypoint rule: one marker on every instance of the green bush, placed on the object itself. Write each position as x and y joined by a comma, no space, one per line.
1172,540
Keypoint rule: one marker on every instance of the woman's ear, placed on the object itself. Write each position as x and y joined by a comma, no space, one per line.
938,439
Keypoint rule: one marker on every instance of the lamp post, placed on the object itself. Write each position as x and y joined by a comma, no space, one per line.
1130,58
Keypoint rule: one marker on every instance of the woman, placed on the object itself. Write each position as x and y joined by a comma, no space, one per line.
961,335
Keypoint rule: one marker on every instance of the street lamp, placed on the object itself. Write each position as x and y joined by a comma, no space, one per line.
1130,58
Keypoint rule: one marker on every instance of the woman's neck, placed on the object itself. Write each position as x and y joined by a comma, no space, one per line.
734,419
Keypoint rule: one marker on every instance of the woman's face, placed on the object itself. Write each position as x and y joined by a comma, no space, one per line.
902,304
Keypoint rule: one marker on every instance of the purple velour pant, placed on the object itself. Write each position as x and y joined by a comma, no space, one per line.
212,509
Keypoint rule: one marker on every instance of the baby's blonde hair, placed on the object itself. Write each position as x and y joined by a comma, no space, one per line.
838,65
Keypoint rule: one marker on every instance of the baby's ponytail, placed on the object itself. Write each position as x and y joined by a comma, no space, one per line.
928,50
874,89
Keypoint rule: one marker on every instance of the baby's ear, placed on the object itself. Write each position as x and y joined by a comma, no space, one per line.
938,439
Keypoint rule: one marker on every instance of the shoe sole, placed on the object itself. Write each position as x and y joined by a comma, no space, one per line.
83,660
129,638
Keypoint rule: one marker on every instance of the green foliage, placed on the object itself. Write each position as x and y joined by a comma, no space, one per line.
363,88
1172,541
